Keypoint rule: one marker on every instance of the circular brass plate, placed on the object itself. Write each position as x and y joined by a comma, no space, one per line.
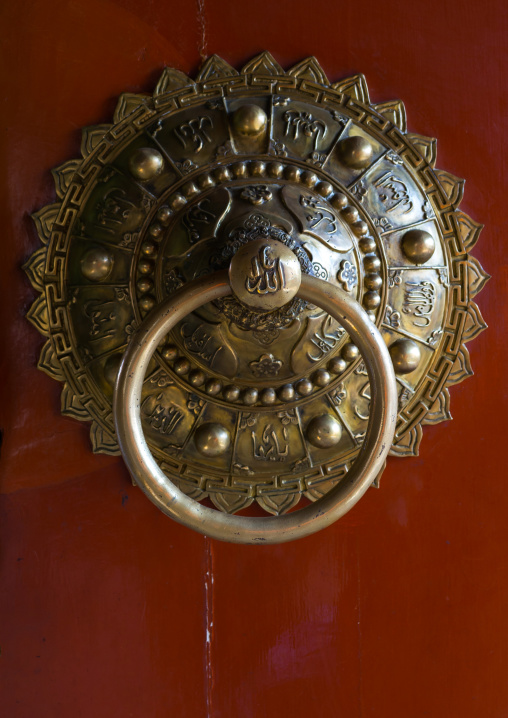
171,190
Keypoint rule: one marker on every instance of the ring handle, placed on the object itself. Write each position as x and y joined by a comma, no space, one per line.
240,529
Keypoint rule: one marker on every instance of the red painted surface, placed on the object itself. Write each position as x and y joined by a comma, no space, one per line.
400,608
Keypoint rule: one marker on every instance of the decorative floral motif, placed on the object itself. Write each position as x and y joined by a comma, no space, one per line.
278,148
186,166
288,417
267,365
394,158
317,159
359,190
338,395
225,150
382,223
392,318
347,275
394,278
259,194
248,420
339,118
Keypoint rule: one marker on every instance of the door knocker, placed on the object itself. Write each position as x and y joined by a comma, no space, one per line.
277,280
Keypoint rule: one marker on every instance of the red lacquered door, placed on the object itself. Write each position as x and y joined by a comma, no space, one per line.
108,608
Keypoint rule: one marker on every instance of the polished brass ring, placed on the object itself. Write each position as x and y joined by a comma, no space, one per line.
240,529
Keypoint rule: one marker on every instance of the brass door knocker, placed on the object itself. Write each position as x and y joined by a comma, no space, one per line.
277,279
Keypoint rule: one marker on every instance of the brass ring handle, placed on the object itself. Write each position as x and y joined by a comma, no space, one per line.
240,529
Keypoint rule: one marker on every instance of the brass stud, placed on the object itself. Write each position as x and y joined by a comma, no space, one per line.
250,396
324,189
240,170
212,439
231,393
257,168
337,365
372,263
309,179
292,173
145,266
360,228
223,174
146,163
205,181
324,431
405,355
163,214
148,247
190,189
350,214
418,246
321,377
286,392
213,387
249,120
155,230
96,264
197,377
177,201
276,170
144,285
371,300
339,201
373,281
268,396
355,152
367,244
304,387
169,352
350,352
181,366
147,303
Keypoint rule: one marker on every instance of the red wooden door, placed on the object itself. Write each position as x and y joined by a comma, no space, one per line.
107,607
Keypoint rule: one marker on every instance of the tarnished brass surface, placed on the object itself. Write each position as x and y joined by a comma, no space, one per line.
323,429
171,191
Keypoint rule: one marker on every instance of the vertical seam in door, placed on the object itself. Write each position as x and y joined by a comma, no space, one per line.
209,627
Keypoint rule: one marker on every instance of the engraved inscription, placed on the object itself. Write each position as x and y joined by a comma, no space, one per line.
101,316
305,124
271,447
266,275
197,219
317,215
393,193
163,419
419,301
113,210
193,134
324,340
201,343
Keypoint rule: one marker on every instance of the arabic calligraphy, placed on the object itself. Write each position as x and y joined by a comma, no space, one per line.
266,275
271,447
419,298
304,122
324,340
393,193
194,131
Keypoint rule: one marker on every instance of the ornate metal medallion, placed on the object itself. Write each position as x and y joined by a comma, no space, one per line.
256,399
